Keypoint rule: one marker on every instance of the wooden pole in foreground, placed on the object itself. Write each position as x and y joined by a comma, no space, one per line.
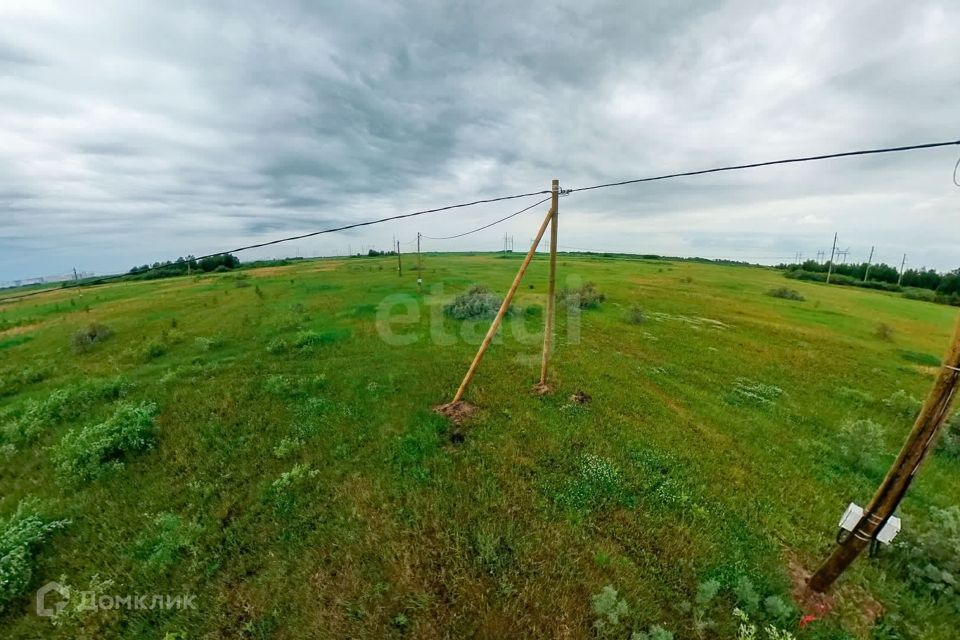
918,444
552,285
503,309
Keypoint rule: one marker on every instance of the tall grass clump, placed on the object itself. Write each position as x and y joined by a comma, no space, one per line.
87,453
478,303
21,535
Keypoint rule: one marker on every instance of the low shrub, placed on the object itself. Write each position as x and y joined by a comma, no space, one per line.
862,441
62,405
610,610
786,293
87,338
949,444
87,453
152,350
636,315
584,297
927,556
903,405
164,541
21,535
478,303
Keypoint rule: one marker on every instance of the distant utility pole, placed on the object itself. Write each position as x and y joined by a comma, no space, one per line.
820,257
419,265
399,264
902,263
869,262
832,253
921,439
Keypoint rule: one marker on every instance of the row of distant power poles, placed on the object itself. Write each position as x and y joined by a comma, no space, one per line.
835,254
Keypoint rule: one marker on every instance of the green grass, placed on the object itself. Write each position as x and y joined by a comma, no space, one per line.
295,479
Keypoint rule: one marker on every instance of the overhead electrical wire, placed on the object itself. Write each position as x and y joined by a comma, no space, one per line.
486,226
844,154
754,165
355,225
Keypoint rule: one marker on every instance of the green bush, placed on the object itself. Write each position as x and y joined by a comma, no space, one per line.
476,304
928,558
21,535
85,339
87,453
786,293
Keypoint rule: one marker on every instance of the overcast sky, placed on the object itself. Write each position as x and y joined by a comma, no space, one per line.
134,131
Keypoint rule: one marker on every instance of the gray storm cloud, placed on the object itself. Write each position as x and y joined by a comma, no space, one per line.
133,132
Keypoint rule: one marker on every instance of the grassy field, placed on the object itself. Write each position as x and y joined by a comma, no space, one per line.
264,441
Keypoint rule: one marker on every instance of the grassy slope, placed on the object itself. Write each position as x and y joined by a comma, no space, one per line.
396,531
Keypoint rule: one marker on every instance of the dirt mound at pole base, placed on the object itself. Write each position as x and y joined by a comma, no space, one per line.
458,411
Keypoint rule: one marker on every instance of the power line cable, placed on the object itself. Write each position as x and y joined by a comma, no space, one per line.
754,165
487,226
299,237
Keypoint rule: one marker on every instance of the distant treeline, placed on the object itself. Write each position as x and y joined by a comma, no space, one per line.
182,266
944,283
917,284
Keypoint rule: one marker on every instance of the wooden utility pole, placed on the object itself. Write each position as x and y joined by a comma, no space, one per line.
503,309
869,262
832,253
921,439
551,285
399,263
419,265
902,263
